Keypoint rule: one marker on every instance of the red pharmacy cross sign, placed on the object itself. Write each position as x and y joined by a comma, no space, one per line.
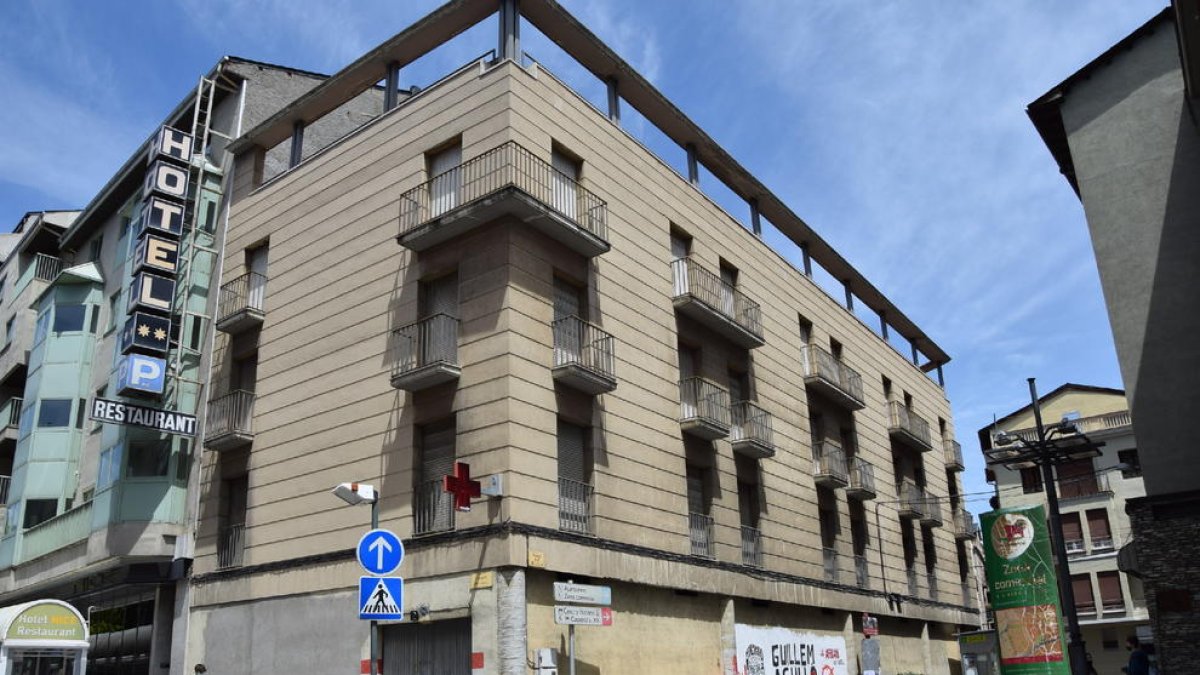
461,486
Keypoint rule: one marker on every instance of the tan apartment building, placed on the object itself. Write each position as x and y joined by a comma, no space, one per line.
1092,493
494,272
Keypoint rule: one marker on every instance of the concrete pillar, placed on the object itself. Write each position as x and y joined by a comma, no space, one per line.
849,296
941,378
925,648
297,144
512,636
807,260
883,328
160,635
693,165
614,100
510,30
390,89
755,218
728,637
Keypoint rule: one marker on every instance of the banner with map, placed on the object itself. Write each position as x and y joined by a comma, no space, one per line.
1024,592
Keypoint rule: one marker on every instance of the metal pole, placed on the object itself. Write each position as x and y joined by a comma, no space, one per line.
1075,649
571,646
375,624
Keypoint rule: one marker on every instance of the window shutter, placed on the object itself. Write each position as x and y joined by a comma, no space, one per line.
570,452
1110,589
1082,586
1071,527
1098,523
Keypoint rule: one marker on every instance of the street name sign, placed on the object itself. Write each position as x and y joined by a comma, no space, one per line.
566,615
381,598
380,552
582,594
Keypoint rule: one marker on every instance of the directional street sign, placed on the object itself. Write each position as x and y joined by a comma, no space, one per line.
380,552
566,615
582,594
381,598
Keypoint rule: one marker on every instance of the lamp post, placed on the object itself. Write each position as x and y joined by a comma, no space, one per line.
355,494
1059,444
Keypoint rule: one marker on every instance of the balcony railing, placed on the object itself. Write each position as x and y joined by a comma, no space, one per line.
862,573
751,546
914,583
964,525
62,530
751,433
574,506
425,353
1083,487
10,417
912,499
932,513
1088,608
230,421
1113,605
507,179
832,377
908,427
1087,425
46,267
954,456
1075,546
231,546
829,561
829,466
704,296
583,356
1100,544
862,479
931,585
433,508
241,305
703,408
700,532
5,482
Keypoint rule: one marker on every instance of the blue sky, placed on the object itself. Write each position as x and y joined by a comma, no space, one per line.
896,129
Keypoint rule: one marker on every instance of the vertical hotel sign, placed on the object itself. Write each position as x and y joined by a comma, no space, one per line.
1024,592
146,338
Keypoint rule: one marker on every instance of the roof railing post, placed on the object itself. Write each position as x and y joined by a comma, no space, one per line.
510,30
755,217
393,81
883,328
614,101
297,144
849,295
916,356
693,164
941,378
807,257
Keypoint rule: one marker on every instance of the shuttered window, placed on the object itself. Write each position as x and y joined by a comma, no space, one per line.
1110,591
1081,585
571,449
1098,528
1072,529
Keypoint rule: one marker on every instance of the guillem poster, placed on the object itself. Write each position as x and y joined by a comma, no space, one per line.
1024,592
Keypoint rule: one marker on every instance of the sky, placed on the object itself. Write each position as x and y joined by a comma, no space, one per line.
897,130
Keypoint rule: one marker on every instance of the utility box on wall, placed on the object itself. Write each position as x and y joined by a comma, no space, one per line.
545,661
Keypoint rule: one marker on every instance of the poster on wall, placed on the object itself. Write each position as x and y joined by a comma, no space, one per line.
763,650
1024,592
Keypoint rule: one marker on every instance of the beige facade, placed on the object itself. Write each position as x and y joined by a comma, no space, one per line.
348,315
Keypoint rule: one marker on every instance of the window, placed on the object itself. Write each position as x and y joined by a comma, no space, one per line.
566,180
444,178
39,511
1031,480
1111,599
54,412
183,466
574,487
9,327
114,303
1072,529
1098,529
195,338
69,318
95,322
1077,479
1109,640
149,459
1130,459
110,467
95,248
39,330
681,244
1085,601
80,413
887,389
835,349
805,329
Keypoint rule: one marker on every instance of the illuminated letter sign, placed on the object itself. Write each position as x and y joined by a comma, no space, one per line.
167,179
140,374
172,144
146,333
157,254
161,216
151,293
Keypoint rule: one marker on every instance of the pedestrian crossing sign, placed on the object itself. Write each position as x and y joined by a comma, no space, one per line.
381,598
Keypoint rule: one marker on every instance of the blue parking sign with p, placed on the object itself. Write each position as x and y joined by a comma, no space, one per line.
140,374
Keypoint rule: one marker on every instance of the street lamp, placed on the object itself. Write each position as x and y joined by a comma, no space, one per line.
355,494
1061,443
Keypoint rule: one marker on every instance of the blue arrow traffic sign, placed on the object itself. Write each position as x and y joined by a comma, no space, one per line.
380,598
380,552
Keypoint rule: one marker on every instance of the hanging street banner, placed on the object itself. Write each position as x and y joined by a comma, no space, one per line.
119,412
1024,592
774,650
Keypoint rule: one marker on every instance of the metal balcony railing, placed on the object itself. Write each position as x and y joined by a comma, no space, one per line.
862,573
433,508
425,353
10,414
931,585
46,267
964,525
1113,605
231,546
1087,425
1102,544
1085,607
506,166
574,506
1074,546
693,283
829,466
230,419
5,482
1083,487
908,425
242,302
862,479
583,355
829,561
912,499
751,546
931,514
751,433
914,584
704,408
700,532
823,369
954,456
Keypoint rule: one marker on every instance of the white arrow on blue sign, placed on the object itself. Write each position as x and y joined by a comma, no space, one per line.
380,552
381,598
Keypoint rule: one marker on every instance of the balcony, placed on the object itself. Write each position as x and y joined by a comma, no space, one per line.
829,466
908,427
751,546
230,421
700,533
46,267
68,527
433,508
862,480
751,433
1085,608
912,500
583,356
231,546
1096,424
829,561
932,514
1083,487
574,506
705,297
862,574
10,416
240,304
1103,544
703,408
964,525
835,380
954,456
1075,546
506,180
1112,606
425,354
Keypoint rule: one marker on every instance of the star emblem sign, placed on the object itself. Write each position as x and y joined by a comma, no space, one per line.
160,334
143,330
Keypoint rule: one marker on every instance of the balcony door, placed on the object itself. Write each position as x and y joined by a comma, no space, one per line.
435,510
681,247
689,361
444,179
568,302
256,262
439,297
573,488
565,179
1077,479
728,284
